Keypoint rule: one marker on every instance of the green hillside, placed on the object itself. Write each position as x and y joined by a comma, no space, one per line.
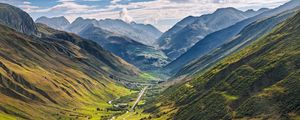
262,81
54,77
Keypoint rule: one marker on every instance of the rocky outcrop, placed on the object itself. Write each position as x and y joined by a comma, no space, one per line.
17,19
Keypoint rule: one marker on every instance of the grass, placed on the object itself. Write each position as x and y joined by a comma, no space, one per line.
229,97
4,116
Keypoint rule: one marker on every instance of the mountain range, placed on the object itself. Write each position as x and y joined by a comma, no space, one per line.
190,30
129,41
248,35
144,57
260,81
59,23
218,38
146,34
228,65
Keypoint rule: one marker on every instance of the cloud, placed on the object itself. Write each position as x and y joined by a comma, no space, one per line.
115,1
161,10
124,16
26,2
91,0
66,7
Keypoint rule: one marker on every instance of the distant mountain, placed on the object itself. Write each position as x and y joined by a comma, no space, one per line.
248,35
218,38
131,41
143,56
17,19
59,23
252,13
146,34
261,81
190,30
57,74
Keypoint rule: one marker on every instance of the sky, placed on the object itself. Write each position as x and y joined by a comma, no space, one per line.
163,14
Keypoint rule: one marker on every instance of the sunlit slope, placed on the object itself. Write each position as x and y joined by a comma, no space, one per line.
51,78
259,82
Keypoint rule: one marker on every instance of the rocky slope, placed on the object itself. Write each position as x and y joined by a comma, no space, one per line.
17,19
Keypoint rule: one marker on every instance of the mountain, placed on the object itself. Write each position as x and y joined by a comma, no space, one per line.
261,81
17,19
143,56
252,12
218,38
123,39
59,23
146,34
151,32
57,75
190,30
248,35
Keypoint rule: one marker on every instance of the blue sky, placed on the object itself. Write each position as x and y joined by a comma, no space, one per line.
161,13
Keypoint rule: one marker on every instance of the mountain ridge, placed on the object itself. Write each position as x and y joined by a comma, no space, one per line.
245,37
218,38
190,30
59,23
143,33
260,81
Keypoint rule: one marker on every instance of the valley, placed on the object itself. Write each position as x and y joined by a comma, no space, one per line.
232,63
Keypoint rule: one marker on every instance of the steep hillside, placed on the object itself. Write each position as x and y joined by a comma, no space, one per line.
17,19
143,56
190,30
43,78
58,75
59,23
249,34
112,61
218,38
259,82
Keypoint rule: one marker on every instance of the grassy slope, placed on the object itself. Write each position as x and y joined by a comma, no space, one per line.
260,81
43,79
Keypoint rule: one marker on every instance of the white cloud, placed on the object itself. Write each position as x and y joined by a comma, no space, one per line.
115,1
125,16
26,2
67,7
